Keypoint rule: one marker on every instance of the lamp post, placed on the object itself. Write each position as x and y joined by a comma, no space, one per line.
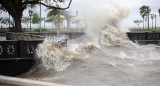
44,22
30,14
152,16
40,18
77,19
145,21
155,21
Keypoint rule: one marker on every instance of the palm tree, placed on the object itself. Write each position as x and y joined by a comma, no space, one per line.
143,15
68,18
145,11
57,13
50,20
53,13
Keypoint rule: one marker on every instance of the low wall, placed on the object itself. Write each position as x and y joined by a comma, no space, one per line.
12,81
145,38
145,42
17,57
142,38
23,36
41,36
18,49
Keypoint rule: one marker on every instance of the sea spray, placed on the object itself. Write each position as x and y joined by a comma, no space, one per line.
111,36
52,56
97,18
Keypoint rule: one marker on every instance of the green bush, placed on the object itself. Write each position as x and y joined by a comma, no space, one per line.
11,29
38,30
2,34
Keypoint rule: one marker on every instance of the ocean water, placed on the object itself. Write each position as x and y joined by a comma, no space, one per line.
113,60
104,56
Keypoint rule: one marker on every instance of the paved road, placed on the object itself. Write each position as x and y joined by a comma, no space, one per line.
2,38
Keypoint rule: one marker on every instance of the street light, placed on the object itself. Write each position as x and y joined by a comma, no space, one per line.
44,22
145,21
30,14
77,19
155,21
40,18
152,16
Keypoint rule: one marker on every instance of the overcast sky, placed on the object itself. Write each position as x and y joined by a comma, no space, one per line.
134,13
132,5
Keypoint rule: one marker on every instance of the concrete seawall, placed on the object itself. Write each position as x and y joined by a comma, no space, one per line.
12,81
141,38
41,36
144,38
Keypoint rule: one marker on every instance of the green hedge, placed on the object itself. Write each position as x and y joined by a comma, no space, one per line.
38,30
2,34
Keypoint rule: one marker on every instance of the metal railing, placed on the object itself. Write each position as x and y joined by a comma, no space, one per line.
144,36
18,49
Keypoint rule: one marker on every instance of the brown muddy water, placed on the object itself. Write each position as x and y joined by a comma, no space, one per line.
112,61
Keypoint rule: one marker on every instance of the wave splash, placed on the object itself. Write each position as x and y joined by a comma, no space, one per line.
114,37
54,57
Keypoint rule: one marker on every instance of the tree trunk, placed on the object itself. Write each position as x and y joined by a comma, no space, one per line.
17,19
18,26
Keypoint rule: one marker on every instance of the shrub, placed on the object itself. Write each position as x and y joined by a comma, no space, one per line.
38,30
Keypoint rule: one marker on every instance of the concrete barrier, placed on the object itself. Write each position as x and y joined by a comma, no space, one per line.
41,36
145,38
17,57
12,81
